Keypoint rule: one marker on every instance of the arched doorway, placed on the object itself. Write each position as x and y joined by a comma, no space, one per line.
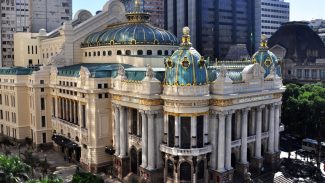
233,160
185,171
170,169
249,155
200,170
134,160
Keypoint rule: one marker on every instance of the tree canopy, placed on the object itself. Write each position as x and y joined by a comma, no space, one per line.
303,110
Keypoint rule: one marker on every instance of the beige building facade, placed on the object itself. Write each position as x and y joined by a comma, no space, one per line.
113,89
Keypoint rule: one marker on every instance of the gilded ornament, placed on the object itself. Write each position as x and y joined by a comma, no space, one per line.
186,63
221,103
268,62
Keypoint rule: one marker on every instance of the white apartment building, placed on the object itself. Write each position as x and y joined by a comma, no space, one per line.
273,14
28,16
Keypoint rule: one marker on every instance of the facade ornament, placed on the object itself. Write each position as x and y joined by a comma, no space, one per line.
58,59
121,71
150,73
256,70
84,74
223,71
54,73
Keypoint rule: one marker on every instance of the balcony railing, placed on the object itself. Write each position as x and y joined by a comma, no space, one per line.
236,143
185,152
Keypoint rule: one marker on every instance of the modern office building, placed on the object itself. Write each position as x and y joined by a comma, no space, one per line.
318,26
117,83
216,25
154,7
273,14
29,16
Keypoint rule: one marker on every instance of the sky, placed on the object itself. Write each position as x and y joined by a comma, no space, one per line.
299,9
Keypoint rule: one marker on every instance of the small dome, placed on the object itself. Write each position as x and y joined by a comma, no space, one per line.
186,66
266,58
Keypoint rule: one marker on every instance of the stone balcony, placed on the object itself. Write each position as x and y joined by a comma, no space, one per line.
185,152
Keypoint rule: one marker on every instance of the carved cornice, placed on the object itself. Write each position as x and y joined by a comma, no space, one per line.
146,102
187,114
221,102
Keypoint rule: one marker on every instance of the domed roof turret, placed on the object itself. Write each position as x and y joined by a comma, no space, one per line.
186,66
266,58
137,31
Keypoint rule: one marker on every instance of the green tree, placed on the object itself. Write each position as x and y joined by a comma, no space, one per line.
31,160
13,168
49,179
86,178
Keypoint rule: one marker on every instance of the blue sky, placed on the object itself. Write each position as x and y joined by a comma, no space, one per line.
300,9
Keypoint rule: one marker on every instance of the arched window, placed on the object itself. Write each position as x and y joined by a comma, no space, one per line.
119,52
155,41
89,54
69,135
134,41
86,54
98,53
140,52
94,54
77,139
170,169
112,42
200,170
185,171
61,131
109,53
128,52
166,52
149,52
159,52
104,53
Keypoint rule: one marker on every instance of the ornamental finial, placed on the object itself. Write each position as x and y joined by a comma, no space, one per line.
137,5
264,42
186,39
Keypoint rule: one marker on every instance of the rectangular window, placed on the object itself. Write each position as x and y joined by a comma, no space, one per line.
41,82
306,73
105,85
53,107
99,85
1,114
0,99
321,73
199,131
42,104
100,95
299,73
44,138
43,121
171,131
42,89
314,74
84,122
185,132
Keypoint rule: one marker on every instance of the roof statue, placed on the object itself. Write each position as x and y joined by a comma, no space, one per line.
150,73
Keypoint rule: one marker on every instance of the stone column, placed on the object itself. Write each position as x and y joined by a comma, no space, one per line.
138,124
243,149
117,130
258,141
228,140
177,131
123,134
206,129
238,124
151,142
193,131
144,140
266,119
59,107
221,143
213,124
69,110
159,139
271,130
277,128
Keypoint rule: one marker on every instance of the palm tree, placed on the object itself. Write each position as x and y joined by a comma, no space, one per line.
31,160
13,168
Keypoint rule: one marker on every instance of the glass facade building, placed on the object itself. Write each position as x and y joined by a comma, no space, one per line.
216,25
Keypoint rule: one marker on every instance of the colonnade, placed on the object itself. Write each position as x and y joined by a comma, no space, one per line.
70,110
151,136
245,126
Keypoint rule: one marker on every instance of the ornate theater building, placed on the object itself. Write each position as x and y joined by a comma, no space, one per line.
111,89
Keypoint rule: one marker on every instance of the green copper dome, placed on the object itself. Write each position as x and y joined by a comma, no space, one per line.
186,66
267,59
137,31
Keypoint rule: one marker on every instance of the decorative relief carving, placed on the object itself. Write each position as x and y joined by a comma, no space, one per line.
187,114
277,95
222,103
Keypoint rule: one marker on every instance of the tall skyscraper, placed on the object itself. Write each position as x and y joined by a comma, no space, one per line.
216,25
28,16
274,13
154,7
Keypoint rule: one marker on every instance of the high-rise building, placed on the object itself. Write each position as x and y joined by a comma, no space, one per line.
154,7
273,14
216,25
29,16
